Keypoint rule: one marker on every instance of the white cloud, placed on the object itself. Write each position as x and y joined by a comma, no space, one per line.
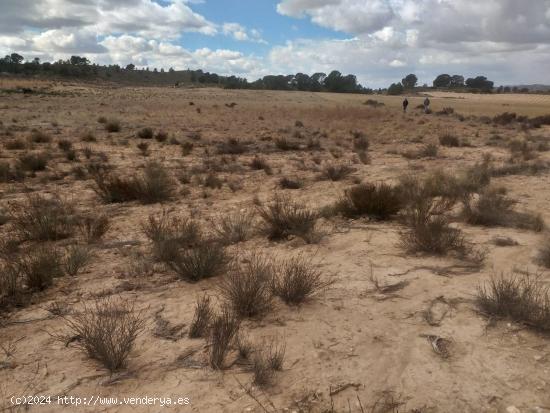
239,32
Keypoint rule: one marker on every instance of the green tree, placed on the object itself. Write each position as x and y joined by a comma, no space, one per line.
395,89
409,81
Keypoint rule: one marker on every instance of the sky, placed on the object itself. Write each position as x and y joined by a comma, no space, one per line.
380,41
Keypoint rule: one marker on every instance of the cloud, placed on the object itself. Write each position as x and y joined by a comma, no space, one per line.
240,33
350,16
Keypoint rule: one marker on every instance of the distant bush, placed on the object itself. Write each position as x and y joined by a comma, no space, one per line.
112,126
285,145
287,183
155,185
33,162
38,136
336,172
449,140
145,133
232,146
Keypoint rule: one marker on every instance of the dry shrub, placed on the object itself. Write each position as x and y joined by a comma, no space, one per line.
297,279
15,144
224,329
247,287
11,286
65,145
161,136
112,125
287,183
145,133
38,136
33,162
259,163
267,359
234,228
186,148
212,181
93,227
432,234
170,234
543,256
9,174
39,266
155,185
336,172
107,331
76,258
144,148
88,136
380,201
522,299
494,208
520,168
42,219
201,318
521,151
360,142
449,140
284,218
206,260
232,146
285,145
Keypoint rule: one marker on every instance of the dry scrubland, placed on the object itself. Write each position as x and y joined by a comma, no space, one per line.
263,251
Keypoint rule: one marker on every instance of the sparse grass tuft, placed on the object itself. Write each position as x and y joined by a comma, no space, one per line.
76,258
39,266
523,299
284,218
206,260
93,227
287,183
543,256
234,228
285,145
202,318
107,331
43,219
33,162
336,172
169,234
493,208
232,146
155,185
224,329
296,280
260,163
379,201
247,288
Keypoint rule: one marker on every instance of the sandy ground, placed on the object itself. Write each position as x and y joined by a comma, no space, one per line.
350,340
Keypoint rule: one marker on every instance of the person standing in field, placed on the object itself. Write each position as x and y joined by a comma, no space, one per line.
405,104
426,105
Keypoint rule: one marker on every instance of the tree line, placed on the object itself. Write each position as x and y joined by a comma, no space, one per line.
81,67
